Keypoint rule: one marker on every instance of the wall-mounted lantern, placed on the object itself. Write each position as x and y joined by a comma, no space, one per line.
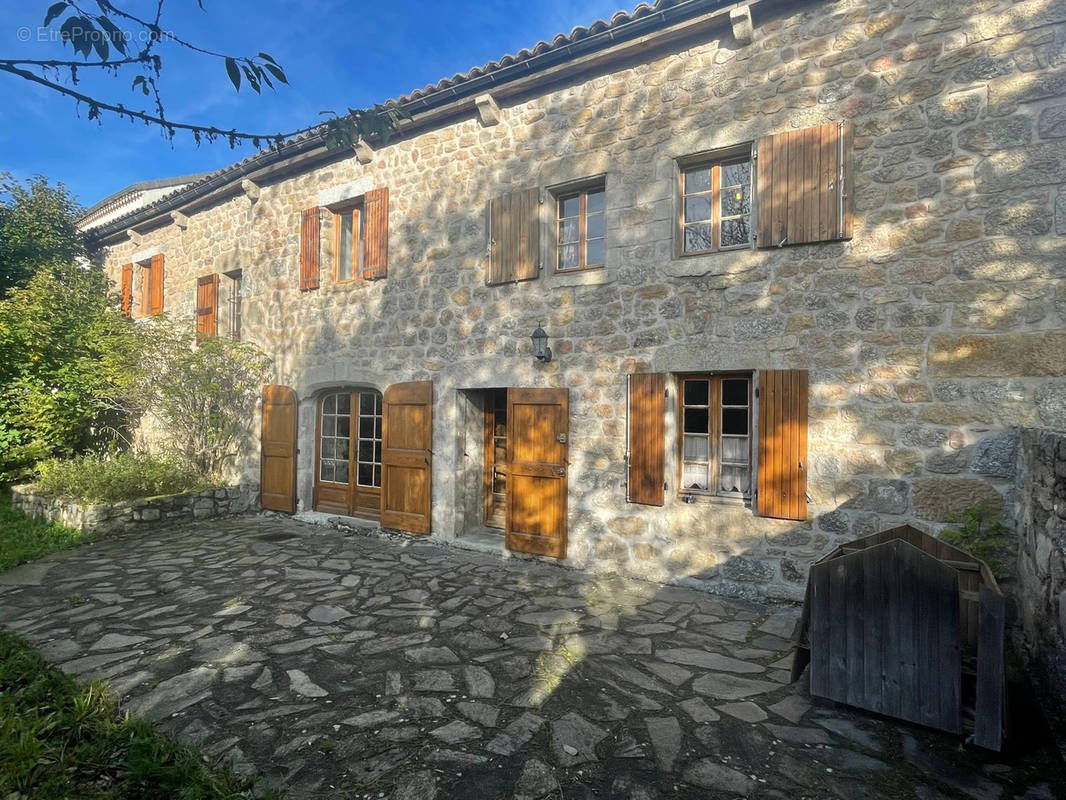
541,351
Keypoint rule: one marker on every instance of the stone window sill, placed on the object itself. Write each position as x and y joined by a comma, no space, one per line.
586,277
723,262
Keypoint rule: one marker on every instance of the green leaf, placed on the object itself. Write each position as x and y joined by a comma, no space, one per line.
54,11
234,73
114,35
267,57
277,72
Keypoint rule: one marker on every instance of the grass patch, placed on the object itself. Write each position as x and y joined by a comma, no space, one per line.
23,539
60,739
96,478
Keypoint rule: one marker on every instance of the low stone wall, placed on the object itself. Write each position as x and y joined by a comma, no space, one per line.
142,514
1040,636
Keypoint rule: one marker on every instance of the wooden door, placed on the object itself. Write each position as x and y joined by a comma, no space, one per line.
277,479
496,458
407,457
537,433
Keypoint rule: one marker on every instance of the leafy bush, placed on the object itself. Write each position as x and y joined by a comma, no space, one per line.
60,739
23,539
983,536
127,476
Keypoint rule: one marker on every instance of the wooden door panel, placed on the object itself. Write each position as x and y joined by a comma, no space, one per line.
277,480
537,432
407,453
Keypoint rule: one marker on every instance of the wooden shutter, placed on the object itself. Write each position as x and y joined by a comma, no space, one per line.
804,185
645,458
514,237
155,285
376,233
277,477
127,289
782,478
207,307
407,456
537,431
310,246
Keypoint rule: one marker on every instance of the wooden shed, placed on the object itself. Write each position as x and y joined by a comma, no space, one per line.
895,621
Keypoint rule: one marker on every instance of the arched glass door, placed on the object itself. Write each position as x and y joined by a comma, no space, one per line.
348,453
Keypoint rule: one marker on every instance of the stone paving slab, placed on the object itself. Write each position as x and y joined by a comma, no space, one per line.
347,666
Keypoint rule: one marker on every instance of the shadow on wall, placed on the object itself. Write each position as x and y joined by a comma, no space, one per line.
894,425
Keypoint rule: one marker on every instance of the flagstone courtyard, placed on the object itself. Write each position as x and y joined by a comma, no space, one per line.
349,666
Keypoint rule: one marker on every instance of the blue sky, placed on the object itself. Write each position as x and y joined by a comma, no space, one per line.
335,54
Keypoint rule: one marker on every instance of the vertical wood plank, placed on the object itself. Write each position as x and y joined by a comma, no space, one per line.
847,227
928,653
647,438
375,234
838,631
856,615
908,624
819,629
892,653
988,730
874,602
781,187
949,691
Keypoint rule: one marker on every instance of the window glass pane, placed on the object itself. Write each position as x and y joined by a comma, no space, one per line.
344,404
377,452
366,474
594,252
377,428
734,232
697,393
341,472
696,447
341,448
325,471
735,449
734,393
366,428
698,180
329,426
697,237
366,403
595,201
735,421
327,448
344,426
568,257
736,174
329,405
569,206
377,405
594,226
695,476
359,248
698,208
569,231
344,248
735,480
736,200
366,451
696,420
377,476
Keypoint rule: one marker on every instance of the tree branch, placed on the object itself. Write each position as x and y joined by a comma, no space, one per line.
209,131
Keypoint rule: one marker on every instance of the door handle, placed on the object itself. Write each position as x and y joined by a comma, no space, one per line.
560,471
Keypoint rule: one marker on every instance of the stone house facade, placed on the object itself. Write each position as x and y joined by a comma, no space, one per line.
905,292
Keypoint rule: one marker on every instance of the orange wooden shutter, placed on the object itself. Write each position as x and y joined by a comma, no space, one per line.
376,233
277,477
207,307
407,456
310,245
514,237
155,285
538,425
782,479
803,184
647,439
127,289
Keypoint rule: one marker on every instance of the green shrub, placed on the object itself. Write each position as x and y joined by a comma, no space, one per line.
983,536
60,739
23,539
126,476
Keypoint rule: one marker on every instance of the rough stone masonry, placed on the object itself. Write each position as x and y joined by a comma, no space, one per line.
927,336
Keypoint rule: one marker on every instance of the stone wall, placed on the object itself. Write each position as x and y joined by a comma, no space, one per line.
927,336
1041,587
144,514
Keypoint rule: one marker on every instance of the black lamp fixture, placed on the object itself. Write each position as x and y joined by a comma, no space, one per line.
541,351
